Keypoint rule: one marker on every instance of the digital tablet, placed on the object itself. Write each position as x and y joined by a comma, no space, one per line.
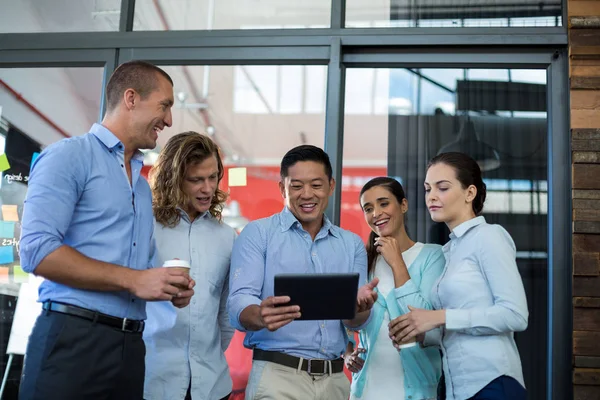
320,296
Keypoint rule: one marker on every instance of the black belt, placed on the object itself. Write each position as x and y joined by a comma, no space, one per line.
312,366
123,324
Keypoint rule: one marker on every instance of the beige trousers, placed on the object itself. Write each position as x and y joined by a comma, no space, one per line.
270,381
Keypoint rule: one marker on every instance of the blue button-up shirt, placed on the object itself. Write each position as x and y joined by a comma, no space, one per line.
79,195
189,343
483,295
279,244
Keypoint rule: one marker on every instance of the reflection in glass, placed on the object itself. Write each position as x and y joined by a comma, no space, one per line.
38,106
499,118
24,16
452,13
167,15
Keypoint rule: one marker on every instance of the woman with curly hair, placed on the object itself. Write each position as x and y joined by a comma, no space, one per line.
185,347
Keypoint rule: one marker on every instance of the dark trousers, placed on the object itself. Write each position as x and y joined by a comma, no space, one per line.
502,388
188,395
70,358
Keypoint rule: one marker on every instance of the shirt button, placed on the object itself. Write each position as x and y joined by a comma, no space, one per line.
133,300
322,325
322,349
122,166
314,254
134,243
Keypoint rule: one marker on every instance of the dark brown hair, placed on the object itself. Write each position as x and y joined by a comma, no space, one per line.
396,189
467,173
137,75
167,175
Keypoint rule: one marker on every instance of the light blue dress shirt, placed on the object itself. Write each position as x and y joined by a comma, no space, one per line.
483,295
189,342
79,195
278,244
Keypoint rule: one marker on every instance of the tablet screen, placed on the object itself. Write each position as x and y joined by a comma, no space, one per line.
320,296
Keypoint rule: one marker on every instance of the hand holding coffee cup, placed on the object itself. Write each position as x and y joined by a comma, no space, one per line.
178,265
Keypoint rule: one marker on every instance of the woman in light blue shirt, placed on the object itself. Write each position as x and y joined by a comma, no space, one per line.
406,272
479,300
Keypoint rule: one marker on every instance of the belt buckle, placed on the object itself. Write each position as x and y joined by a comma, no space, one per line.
124,323
310,372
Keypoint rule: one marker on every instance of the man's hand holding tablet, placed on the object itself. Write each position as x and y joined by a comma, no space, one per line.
274,315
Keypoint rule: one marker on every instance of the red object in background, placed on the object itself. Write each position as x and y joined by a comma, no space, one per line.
239,359
261,198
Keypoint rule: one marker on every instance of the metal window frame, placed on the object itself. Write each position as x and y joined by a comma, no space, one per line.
340,48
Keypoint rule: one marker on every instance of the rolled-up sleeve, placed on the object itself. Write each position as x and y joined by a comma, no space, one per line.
247,272
55,185
496,257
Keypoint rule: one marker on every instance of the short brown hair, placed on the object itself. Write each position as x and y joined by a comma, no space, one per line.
167,175
137,75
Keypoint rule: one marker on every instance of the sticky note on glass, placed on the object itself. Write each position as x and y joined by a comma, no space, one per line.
4,165
7,229
4,274
19,275
9,213
237,176
6,255
33,158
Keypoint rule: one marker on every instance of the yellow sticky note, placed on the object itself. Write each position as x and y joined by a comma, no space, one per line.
237,176
4,165
19,275
9,213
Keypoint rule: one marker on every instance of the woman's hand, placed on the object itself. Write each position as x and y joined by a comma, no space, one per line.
352,361
415,323
388,247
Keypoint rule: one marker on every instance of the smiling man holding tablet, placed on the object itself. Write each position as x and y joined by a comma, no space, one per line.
298,359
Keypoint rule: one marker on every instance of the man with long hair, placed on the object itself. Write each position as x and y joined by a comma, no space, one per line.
87,229
185,347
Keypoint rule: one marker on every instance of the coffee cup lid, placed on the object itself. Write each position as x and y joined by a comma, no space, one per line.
176,263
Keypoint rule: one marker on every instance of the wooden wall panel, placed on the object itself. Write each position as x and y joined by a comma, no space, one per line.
584,69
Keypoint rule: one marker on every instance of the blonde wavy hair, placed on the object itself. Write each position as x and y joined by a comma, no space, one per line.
169,171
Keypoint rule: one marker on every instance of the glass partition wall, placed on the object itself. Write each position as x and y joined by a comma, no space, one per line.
382,85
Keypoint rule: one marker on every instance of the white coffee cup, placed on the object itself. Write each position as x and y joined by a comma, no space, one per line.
178,265
407,345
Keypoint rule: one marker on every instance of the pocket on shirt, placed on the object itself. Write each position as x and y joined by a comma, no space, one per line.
216,273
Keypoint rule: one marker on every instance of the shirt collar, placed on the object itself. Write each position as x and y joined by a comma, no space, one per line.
186,217
288,220
111,141
463,228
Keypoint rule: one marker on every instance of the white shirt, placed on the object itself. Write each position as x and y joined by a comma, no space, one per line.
483,295
191,341
386,375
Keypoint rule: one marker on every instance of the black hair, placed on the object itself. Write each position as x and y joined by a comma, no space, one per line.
305,152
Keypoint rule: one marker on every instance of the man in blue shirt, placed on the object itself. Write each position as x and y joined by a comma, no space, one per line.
87,229
296,359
